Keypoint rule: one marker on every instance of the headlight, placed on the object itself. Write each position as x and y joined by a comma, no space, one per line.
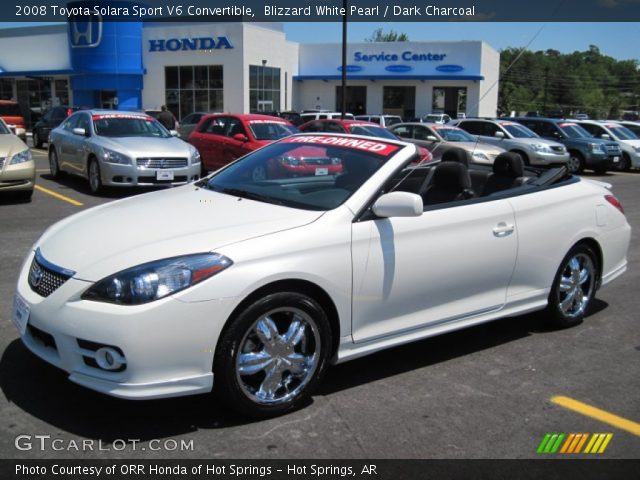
637,149
23,156
111,156
289,161
541,147
479,156
195,156
595,147
154,280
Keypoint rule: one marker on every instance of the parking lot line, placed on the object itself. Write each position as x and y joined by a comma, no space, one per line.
57,195
598,414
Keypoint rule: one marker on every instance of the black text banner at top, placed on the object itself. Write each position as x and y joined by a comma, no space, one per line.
324,10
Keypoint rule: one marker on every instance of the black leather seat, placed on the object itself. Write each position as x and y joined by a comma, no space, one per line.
455,154
450,183
508,172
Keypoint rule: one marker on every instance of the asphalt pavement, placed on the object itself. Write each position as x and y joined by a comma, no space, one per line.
486,392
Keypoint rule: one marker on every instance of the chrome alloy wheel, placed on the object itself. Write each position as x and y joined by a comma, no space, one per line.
94,176
574,164
577,282
278,356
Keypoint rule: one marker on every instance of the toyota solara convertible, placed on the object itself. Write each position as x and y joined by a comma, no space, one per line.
253,287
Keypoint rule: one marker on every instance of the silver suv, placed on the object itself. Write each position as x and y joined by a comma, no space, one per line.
382,120
516,138
121,149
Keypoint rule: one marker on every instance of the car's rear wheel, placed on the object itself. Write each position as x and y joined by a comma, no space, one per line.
272,355
54,166
573,287
37,141
95,179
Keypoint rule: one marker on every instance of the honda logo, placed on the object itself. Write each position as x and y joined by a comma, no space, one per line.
35,276
86,33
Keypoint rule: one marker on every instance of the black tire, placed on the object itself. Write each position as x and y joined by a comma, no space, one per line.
563,311
37,141
248,334
576,163
94,177
54,165
625,163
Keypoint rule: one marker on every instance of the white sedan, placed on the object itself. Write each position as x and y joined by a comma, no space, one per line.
257,286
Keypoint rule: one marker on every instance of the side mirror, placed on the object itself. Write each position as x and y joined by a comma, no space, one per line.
499,135
605,136
240,137
174,133
80,131
431,138
398,204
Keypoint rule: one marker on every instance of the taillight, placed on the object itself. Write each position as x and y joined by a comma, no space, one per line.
69,111
615,202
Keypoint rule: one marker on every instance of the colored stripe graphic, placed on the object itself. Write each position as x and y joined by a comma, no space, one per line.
574,443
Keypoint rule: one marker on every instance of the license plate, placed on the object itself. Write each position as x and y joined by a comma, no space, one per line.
322,171
616,159
21,311
164,175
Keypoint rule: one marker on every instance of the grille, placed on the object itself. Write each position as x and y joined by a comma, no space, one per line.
1,162
613,148
154,180
162,162
44,280
316,160
557,149
43,337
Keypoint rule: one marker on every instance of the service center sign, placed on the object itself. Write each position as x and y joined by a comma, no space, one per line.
394,59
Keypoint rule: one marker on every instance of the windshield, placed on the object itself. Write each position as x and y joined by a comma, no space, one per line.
271,130
434,118
310,172
372,131
454,134
518,131
573,130
392,120
116,125
621,133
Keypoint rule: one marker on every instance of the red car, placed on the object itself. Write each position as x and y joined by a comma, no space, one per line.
222,138
357,127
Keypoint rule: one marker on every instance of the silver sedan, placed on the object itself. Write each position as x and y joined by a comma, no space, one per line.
121,149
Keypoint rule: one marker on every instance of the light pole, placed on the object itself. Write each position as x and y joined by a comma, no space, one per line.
264,63
344,59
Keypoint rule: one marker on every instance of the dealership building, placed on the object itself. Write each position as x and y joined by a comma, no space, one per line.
239,67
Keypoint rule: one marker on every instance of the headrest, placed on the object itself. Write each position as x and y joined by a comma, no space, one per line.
453,176
508,164
456,154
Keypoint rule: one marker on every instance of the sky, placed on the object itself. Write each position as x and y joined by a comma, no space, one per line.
618,40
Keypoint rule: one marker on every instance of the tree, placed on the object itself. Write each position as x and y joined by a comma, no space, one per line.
379,36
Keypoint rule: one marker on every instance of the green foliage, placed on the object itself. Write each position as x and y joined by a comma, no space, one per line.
579,82
392,36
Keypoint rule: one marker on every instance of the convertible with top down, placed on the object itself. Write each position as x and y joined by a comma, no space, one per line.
252,287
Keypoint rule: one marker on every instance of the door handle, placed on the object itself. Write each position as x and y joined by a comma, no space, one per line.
503,229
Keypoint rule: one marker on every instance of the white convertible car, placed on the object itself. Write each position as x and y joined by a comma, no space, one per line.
255,287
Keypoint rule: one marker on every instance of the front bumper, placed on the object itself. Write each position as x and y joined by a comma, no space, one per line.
168,345
601,160
19,177
545,158
116,175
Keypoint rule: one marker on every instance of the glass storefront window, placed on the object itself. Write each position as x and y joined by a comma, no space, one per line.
264,88
191,89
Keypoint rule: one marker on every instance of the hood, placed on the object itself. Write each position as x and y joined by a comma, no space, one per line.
10,145
633,143
118,235
543,141
147,146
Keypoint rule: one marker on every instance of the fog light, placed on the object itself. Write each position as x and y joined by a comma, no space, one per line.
108,358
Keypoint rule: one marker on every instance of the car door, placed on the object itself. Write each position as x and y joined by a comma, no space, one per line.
421,134
66,144
485,131
232,148
209,140
79,145
444,266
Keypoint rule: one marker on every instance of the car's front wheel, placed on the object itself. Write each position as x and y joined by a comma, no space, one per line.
272,355
95,179
573,287
576,163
